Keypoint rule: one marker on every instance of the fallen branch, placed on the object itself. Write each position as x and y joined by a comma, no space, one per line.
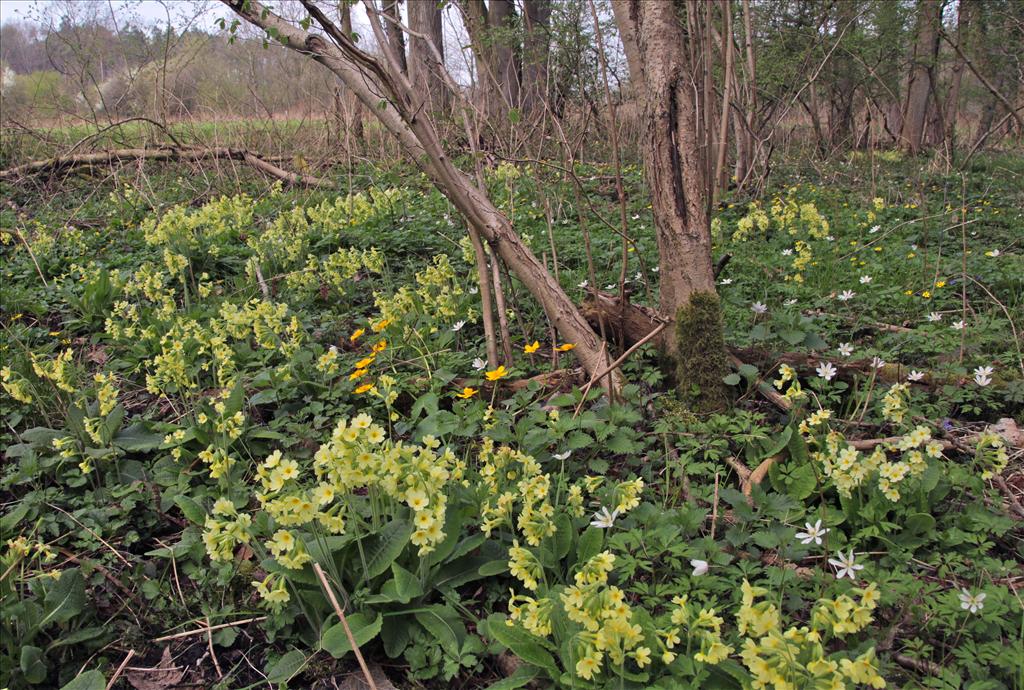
919,665
50,166
208,629
872,443
618,362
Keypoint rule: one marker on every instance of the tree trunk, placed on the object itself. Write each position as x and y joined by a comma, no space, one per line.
425,18
743,173
952,107
536,49
353,108
719,182
675,165
501,19
841,110
394,33
919,87
375,84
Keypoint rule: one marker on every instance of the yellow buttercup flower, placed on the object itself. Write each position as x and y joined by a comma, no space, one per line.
357,334
380,346
365,362
358,373
467,393
363,388
565,347
499,373
381,325
532,347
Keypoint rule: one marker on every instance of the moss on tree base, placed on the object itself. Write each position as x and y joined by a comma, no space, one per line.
701,362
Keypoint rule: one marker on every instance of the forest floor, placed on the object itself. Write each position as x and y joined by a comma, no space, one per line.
178,350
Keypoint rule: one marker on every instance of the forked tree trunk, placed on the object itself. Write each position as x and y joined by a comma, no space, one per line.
675,166
388,94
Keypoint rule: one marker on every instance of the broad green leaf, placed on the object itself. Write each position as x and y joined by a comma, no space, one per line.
520,677
190,509
285,668
444,626
521,643
396,633
90,680
335,641
384,547
407,585
33,665
492,568
138,439
65,599
589,545
731,379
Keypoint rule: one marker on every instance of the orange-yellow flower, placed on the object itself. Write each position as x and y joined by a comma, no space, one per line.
358,373
365,362
565,347
499,373
363,388
380,346
467,393
532,347
357,334
381,325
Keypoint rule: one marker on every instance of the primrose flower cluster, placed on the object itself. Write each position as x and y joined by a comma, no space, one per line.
436,298
797,657
358,460
801,220
611,630
889,464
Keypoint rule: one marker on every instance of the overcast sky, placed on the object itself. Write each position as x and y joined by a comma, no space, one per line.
148,11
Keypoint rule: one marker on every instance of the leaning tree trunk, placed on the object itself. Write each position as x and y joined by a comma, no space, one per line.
389,95
675,167
919,88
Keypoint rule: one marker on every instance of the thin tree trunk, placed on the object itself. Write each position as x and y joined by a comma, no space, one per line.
536,49
919,88
425,19
952,108
719,183
353,108
394,33
743,170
